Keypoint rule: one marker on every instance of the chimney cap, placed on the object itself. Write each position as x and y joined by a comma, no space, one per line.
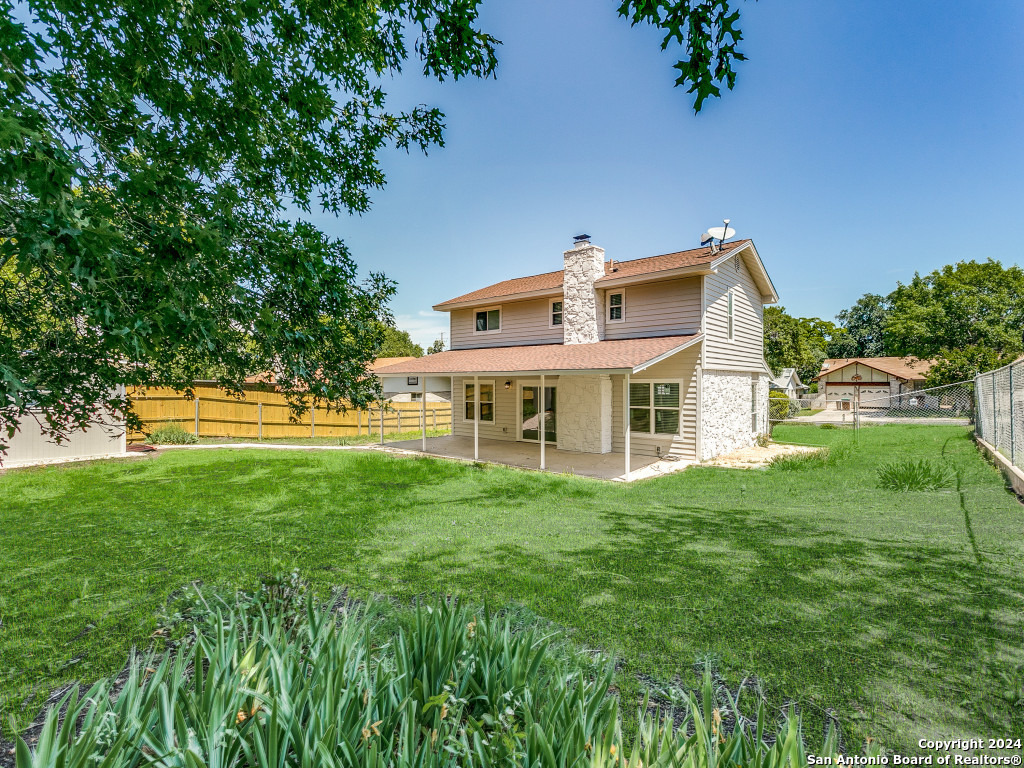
581,238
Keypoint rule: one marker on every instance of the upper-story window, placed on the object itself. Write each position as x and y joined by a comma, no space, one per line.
556,313
732,319
488,320
412,381
616,307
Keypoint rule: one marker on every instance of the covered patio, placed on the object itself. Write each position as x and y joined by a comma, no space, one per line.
568,407
602,466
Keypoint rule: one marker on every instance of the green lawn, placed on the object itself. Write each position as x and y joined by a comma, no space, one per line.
902,613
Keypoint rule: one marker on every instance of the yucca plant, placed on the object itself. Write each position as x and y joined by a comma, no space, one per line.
920,475
274,683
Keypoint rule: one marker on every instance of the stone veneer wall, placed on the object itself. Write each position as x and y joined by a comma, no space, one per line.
726,419
584,264
584,409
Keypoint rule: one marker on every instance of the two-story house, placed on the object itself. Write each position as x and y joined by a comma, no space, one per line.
659,356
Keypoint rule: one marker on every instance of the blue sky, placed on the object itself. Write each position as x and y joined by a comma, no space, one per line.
864,141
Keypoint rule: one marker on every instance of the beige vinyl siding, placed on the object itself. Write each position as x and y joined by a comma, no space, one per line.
745,352
522,322
663,308
506,408
680,367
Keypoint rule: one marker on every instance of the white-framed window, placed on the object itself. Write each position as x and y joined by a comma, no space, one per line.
732,318
556,315
655,407
486,401
487,320
412,381
616,303
416,396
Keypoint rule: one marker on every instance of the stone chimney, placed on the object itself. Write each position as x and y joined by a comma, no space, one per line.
584,264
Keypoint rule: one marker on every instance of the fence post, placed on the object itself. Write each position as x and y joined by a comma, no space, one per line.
995,414
359,422
312,421
259,420
197,417
382,424
399,412
433,415
1013,458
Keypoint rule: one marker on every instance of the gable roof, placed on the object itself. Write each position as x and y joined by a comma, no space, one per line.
550,283
907,368
785,376
621,355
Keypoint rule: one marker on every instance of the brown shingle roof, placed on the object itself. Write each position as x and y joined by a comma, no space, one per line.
601,355
384,362
552,281
909,368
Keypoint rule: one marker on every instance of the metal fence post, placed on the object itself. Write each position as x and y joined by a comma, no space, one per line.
197,417
433,415
382,424
259,420
1013,458
399,412
995,414
359,422
312,421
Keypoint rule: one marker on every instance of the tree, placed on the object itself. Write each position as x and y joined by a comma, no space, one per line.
796,342
969,315
148,151
865,324
399,344
437,346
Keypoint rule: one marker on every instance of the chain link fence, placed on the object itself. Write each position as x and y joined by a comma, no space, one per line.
1000,403
948,404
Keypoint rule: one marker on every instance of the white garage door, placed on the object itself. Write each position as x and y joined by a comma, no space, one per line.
874,397
842,392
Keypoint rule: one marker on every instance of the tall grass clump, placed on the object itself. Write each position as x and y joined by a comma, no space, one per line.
908,475
172,434
286,682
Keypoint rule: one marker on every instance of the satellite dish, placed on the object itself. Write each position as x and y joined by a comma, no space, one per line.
721,233
706,238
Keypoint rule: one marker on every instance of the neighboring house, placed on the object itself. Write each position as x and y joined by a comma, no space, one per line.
410,389
789,382
871,382
659,356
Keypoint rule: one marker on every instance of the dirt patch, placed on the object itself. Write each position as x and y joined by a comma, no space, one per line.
755,456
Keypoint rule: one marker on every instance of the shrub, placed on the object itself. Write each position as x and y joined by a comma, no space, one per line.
172,434
828,426
780,407
763,439
920,475
267,683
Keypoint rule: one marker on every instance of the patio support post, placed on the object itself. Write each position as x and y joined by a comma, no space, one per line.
625,419
476,418
423,411
542,413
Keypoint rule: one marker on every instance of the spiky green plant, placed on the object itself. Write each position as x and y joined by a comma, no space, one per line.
920,475
274,683
172,434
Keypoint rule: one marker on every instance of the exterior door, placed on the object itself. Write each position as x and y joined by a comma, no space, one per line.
529,414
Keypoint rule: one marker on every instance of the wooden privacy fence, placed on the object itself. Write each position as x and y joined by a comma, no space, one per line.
263,413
